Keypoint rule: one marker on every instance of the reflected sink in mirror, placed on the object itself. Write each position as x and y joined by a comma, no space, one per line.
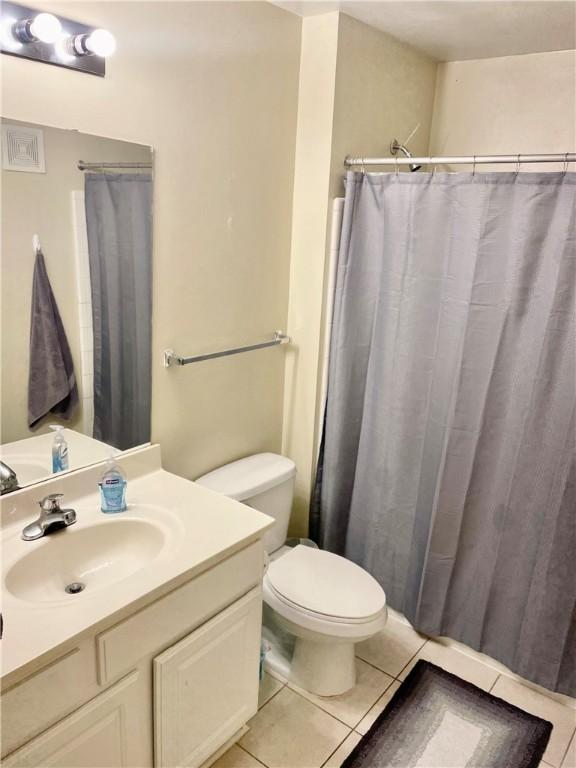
95,556
29,468
31,458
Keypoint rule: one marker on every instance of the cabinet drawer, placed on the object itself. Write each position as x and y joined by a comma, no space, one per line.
40,700
112,730
155,627
206,686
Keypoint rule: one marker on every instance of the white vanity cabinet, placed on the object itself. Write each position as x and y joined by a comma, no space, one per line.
206,686
168,685
110,730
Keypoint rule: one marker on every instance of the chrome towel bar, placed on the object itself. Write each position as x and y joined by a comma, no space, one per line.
171,358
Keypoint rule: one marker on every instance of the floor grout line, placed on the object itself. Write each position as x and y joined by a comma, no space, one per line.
564,756
331,714
337,748
412,659
371,664
494,683
323,710
251,755
384,692
272,697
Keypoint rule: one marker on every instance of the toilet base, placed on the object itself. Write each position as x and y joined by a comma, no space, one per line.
326,669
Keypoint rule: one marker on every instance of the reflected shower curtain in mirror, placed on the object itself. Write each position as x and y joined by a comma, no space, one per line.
119,224
448,460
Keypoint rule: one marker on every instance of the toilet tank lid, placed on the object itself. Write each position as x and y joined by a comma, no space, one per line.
247,477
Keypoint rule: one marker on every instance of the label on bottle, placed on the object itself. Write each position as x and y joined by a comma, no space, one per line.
113,494
63,457
60,458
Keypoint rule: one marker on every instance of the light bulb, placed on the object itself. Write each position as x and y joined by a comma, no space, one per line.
101,42
46,28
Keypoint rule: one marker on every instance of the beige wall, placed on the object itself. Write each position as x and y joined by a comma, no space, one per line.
41,203
213,87
309,227
384,89
507,105
370,89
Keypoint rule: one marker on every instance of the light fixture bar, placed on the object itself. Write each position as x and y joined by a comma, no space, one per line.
32,34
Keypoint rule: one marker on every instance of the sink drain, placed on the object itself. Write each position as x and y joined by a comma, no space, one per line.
74,588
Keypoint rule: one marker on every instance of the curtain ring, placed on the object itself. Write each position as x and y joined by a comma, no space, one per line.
566,161
396,162
517,164
474,165
363,166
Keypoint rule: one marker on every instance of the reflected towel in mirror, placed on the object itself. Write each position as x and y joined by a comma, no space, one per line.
51,381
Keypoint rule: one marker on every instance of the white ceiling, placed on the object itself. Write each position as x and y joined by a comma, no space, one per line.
453,30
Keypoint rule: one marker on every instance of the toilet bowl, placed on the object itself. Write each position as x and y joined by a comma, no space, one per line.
324,601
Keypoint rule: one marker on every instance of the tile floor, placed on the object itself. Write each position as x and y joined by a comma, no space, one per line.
295,729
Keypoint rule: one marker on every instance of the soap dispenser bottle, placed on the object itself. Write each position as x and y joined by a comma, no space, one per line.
112,488
59,450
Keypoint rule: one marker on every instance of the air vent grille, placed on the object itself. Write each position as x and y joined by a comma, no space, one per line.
23,148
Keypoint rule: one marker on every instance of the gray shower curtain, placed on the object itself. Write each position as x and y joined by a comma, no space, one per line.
448,460
119,223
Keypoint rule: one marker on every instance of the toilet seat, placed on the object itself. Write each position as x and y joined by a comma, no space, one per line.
314,614
324,587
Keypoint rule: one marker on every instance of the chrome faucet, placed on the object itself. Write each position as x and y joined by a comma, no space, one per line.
8,479
51,518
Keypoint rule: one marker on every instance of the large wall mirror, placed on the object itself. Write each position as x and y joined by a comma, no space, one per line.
76,292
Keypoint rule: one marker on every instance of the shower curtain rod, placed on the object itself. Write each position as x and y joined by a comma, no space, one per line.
82,166
567,157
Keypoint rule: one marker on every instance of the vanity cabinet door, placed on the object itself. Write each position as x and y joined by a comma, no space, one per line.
206,686
112,730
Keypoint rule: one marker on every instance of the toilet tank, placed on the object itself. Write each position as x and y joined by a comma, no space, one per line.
265,482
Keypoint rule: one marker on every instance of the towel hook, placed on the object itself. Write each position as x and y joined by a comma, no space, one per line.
36,247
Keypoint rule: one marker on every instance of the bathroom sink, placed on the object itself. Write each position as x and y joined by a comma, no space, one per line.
75,562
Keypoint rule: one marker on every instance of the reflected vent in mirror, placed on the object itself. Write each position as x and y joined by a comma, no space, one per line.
23,149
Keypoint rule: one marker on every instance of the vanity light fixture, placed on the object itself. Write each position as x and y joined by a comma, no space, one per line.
41,36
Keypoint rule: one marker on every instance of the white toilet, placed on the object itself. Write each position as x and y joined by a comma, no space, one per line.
327,603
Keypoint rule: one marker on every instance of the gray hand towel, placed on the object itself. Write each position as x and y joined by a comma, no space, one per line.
51,381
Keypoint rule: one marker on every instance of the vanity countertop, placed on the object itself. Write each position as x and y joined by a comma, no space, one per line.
172,530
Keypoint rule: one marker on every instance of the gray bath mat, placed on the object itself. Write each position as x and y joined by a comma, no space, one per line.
437,720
